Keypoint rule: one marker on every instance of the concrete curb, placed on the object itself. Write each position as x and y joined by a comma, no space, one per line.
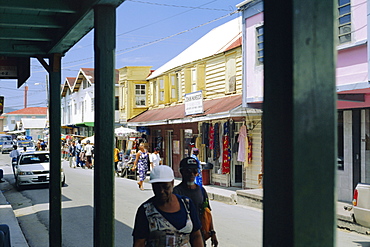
7,216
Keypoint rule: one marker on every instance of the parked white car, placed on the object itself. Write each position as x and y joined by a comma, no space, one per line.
33,168
361,204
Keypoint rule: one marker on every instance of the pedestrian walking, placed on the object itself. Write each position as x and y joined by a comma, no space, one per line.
88,154
155,159
166,219
141,164
72,154
116,155
78,152
187,187
14,155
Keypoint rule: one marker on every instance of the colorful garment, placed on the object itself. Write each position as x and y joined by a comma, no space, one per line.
242,142
198,179
216,149
211,137
160,226
250,149
225,155
226,152
142,165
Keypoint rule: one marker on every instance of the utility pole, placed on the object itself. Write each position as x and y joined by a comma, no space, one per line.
25,96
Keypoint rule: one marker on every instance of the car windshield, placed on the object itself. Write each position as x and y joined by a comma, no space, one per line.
34,158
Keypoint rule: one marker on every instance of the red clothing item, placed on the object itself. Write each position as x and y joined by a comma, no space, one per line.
225,155
211,137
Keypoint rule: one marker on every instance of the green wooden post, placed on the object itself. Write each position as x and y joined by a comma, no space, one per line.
104,46
299,123
55,199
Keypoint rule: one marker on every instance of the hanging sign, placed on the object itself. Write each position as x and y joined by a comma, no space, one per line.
15,68
194,103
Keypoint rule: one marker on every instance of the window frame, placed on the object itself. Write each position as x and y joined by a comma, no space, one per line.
348,14
140,96
259,57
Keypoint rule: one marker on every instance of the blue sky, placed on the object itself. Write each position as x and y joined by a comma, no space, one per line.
149,33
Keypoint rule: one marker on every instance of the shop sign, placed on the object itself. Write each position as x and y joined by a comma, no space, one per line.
194,103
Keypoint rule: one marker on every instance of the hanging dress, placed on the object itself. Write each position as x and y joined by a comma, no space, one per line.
242,142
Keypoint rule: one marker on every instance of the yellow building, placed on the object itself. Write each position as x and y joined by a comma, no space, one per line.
200,89
133,88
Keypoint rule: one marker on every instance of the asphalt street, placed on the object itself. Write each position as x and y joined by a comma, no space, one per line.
235,225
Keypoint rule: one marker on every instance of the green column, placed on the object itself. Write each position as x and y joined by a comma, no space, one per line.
104,46
55,201
299,123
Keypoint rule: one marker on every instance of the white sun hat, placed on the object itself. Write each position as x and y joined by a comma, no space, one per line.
161,173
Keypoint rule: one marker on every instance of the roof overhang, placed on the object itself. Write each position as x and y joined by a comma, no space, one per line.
39,29
351,99
226,107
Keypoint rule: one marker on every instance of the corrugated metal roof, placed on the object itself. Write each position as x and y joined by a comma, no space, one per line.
30,111
212,106
219,39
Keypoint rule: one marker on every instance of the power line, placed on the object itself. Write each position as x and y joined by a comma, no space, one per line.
150,24
177,6
133,48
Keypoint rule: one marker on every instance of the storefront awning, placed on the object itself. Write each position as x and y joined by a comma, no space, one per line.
85,124
349,99
214,108
357,98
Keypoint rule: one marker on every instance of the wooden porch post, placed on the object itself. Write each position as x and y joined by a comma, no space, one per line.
104,46
299,123
55,212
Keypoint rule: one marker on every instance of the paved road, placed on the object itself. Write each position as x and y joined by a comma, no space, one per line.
235,225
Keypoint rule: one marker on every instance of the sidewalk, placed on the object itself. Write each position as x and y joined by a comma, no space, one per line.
7,217
229,195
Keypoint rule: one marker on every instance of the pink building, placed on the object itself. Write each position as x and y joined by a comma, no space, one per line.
352,82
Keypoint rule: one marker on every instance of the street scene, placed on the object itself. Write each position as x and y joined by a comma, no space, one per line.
235,225
150,123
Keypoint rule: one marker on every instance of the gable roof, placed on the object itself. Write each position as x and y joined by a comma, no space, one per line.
30,111
88,73
219,39
68,85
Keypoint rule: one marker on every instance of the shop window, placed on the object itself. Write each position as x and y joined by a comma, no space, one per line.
188,142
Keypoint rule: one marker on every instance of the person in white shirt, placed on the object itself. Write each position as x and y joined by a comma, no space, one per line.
14,154
154,158
88,153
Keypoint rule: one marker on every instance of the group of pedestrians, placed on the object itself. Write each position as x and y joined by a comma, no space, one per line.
79,155
172,217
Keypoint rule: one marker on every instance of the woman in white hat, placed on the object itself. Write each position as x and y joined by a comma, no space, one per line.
166,219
